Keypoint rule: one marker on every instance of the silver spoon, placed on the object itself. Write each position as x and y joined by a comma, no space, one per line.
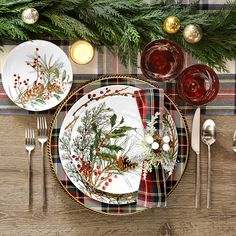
209,137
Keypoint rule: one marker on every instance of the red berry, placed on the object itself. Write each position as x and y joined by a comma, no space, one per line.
109,175
39,57
110,180
15,75
15,79
14,86
99,172
20,82
37,49
104,188
98,167
27,79
106,183
95,173
102,178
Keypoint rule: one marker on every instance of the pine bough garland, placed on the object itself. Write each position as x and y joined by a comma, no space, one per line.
124,26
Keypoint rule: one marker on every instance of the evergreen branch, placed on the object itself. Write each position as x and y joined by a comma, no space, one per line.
124,26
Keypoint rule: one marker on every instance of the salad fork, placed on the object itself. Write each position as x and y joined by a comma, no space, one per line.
29,146
42,138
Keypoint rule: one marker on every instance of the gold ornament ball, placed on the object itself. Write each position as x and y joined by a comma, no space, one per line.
30,16
192,33
171,24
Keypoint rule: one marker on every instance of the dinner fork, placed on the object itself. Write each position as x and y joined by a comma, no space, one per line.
42,138
29,146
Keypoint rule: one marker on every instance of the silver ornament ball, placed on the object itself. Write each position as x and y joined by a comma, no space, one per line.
30,16
192,33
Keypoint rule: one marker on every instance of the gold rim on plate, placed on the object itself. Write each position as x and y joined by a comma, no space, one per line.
91,82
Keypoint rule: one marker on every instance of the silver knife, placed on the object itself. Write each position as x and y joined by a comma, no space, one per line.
195,143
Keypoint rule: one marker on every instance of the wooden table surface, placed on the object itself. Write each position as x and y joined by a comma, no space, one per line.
66,217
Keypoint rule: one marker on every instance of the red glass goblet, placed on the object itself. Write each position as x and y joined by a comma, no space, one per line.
198,84
162,60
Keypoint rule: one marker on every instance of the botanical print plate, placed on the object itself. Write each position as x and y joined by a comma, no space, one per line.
37,75
100,144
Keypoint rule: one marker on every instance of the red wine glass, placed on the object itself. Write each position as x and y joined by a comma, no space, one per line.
198,84
162,60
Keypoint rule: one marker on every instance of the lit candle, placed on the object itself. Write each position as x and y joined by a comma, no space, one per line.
81,52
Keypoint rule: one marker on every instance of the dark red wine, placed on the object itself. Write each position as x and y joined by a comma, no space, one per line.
198,84
162,60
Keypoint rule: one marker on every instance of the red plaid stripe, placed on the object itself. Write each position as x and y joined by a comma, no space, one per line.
152,189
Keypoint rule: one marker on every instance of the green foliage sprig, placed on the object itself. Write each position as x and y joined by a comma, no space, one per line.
124,26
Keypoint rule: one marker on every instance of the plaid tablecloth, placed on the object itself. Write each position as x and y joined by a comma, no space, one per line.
105,63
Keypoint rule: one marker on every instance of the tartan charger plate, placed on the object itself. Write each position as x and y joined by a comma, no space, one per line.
106,141
54,155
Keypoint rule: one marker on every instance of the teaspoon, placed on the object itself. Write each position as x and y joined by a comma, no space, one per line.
209,137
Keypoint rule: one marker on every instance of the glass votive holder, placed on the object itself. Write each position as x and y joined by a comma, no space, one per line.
162,60
198,84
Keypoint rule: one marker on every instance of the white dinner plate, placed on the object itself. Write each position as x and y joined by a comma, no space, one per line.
122,184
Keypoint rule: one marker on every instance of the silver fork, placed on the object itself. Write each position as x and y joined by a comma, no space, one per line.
29,146
42,138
